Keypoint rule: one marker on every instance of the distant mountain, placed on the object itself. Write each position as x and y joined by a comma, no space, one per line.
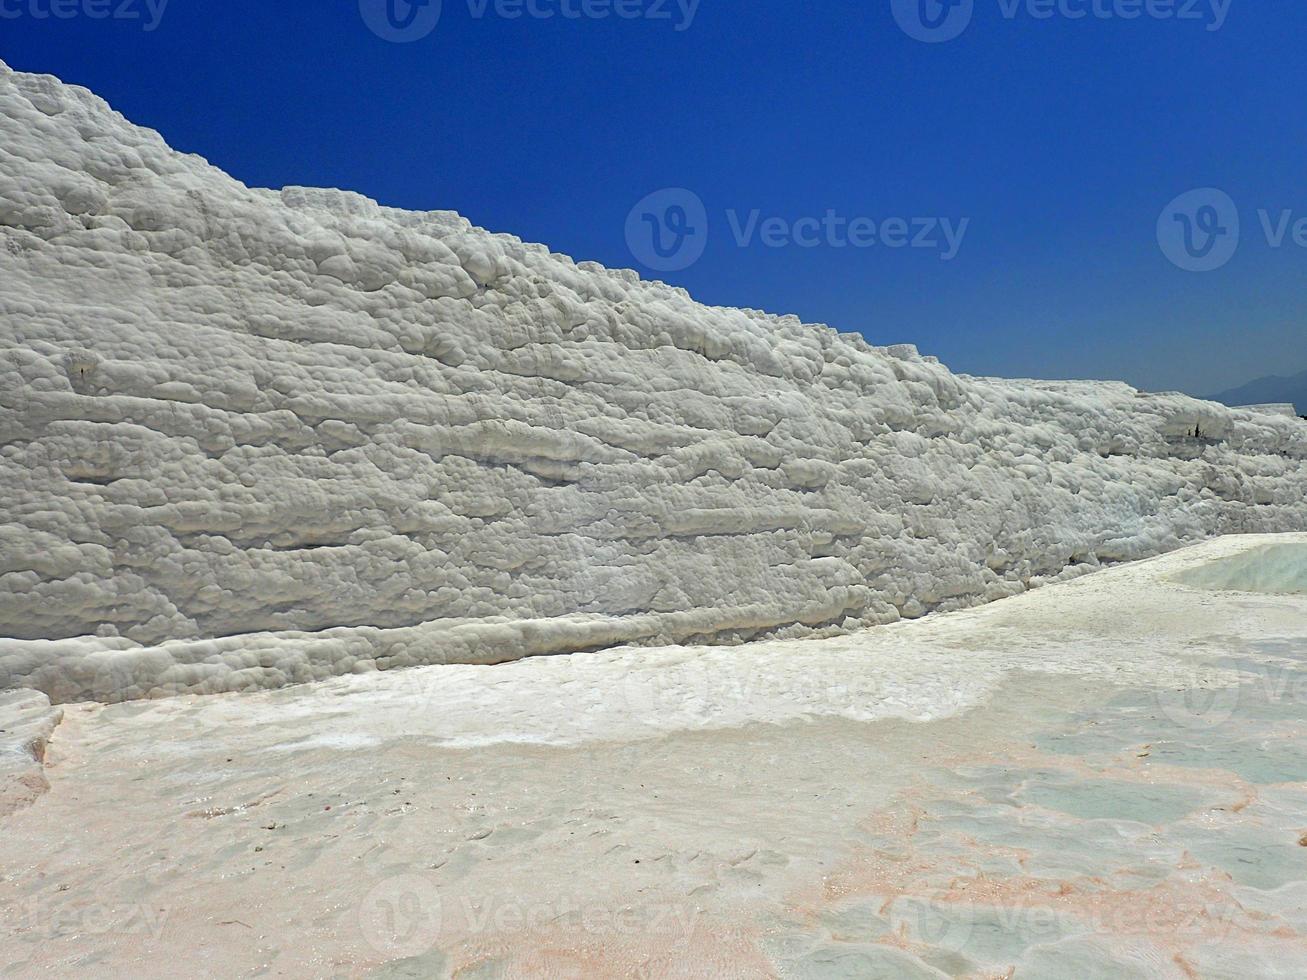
1266,391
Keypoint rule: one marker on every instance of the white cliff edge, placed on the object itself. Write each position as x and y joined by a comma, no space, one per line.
251,438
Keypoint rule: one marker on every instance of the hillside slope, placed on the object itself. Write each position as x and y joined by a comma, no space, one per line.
1267,391
249,438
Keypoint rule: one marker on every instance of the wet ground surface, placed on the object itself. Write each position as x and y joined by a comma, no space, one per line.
1150,836
1128,798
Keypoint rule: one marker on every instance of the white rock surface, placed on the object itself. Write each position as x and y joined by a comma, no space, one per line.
1111,785
251,438
1276,408
27,721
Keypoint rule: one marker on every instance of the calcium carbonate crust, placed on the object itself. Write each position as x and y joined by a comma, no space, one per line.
27,723
251,438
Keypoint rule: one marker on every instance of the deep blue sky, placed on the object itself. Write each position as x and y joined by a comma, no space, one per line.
1061,140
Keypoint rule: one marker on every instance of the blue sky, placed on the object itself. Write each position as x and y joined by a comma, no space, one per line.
1059,139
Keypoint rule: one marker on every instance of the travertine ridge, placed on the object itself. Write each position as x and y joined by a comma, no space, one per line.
251,438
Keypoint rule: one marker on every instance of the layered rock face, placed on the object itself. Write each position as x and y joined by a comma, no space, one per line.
251,438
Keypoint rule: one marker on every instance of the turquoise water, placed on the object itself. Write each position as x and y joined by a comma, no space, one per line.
1274,568
1160,821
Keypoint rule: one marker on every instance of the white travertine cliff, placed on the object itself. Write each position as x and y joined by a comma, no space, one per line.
251,438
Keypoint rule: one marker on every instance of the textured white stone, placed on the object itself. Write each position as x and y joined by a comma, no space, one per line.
1275,408
251,438
27,721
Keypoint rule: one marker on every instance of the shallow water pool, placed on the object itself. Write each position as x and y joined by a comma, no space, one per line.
1275,568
